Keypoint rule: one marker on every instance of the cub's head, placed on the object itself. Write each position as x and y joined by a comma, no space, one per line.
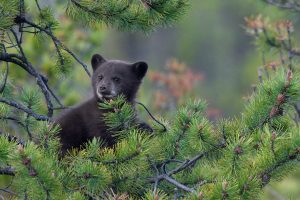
113,77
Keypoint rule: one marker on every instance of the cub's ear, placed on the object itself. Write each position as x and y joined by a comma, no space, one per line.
140,69
96,61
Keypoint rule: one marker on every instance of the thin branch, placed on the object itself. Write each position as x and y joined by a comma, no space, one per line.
177,184
287,47
7,171
149,113
24,109
2,87
61,106
42,81
22,62
14,119
194,159
266,175
163,166
57,42
8,191
290,56
38,5
39,78
27,121
3,84
16,59
185,164
22,14
287,5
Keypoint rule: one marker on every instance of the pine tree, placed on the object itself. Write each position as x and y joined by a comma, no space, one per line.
190,158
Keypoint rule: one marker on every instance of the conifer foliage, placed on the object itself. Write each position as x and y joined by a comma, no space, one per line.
189,157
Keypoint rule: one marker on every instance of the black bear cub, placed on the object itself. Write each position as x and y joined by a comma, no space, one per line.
110,79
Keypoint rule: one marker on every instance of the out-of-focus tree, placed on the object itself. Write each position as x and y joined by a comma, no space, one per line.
172,85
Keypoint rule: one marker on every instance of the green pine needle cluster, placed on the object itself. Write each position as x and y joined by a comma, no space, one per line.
128,15
8,11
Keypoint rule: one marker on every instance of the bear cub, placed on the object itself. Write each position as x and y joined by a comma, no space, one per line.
110,78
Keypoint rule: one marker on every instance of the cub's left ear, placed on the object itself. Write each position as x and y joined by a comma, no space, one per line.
140,69
96,61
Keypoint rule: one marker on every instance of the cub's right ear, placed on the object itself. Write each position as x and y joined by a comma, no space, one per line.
96,61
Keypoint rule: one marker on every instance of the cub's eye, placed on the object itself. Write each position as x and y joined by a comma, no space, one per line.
100,77
116,79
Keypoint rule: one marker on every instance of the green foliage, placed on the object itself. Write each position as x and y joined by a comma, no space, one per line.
155,195
5,149
122,115
46,18
34,167
8,12
231,160
63,64
127,15
272,92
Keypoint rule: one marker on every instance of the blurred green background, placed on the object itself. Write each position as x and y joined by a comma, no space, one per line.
209,39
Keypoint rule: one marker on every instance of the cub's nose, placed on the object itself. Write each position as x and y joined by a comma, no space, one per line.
102,88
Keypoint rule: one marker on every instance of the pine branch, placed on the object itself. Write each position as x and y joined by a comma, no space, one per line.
266,175
130,16
24,109
41,81
287,47
55,40
15,120
183,166
16,59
